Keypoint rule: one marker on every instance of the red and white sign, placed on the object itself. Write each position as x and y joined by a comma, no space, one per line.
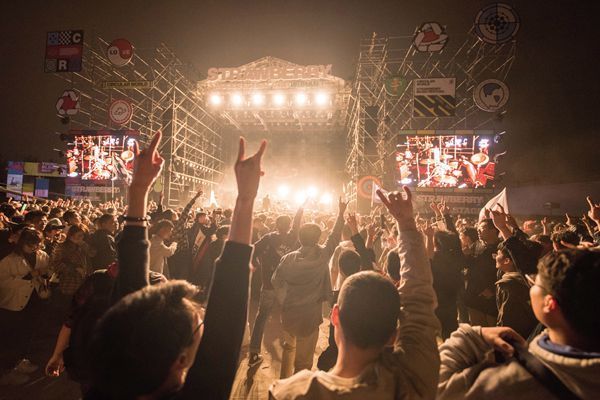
68,103
120,112
119,52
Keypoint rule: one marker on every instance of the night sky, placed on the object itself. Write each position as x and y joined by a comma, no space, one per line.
553,117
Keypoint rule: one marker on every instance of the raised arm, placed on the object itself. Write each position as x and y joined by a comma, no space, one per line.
416,347
336,233
132,249
213,372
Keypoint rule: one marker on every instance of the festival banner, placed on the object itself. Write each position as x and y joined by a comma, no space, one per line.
434,97
14,183
42,186
64,51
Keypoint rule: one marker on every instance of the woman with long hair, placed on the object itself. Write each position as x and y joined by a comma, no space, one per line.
70,260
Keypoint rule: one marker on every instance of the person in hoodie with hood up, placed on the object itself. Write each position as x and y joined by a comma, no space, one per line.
302,283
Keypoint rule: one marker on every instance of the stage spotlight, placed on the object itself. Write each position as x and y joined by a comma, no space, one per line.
283,191
301,99
312,191
258,99
236,99
215,99
326,198
278,99
300,197
322,99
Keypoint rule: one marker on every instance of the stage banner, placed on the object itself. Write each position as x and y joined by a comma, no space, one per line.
42,186
64,51
14,183
434,97
463,202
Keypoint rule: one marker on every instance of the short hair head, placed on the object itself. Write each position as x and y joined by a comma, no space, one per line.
369,307
137,341
283,223
349,262
309,234
571,277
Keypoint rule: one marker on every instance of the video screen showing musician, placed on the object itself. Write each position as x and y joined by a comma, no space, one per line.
445,161
101,157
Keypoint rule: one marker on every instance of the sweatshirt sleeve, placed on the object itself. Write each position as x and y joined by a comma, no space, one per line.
416,344
133,257
463,356
213,372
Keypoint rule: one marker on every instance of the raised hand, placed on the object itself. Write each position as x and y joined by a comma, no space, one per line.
434,207
248,171
594,212
443,208
198,193
148,164
352,223
401,209
342,205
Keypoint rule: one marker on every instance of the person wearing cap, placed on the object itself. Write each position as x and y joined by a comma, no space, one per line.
51,233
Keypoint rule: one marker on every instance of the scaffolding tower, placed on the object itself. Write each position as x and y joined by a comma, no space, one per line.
165,100
375,118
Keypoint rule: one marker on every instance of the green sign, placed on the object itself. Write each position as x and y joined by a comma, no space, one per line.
395,85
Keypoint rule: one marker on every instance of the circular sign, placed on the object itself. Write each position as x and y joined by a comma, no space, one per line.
366,185
431,36
68,103
497,23
491,95
120,112
119,52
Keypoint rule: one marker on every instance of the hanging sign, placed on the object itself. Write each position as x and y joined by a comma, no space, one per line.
431,37
68,103
64,51
434,97
491,95
497,23
119,52
127,84
395,85
120,112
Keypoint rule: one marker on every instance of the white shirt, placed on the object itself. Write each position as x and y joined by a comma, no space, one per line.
15,291
159,253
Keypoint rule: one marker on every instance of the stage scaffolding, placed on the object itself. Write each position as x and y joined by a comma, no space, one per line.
192,142
375,117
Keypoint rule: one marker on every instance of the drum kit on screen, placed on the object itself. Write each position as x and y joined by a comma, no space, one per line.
99,159
448,163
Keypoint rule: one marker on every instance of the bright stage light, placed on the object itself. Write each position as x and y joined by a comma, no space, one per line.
406,181
283,191
278,99
236,99
300,197
215,99
321,99
301,99
258,99
312,191
326,198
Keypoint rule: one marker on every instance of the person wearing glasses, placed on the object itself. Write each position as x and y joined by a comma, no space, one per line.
563,362
23,294
154,342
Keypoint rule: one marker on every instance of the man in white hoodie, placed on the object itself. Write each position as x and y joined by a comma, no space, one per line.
159,252
562,362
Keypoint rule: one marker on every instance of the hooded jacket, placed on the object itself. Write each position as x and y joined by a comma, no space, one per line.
514,305
469,371
302,284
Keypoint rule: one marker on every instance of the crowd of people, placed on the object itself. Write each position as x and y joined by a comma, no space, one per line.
150,303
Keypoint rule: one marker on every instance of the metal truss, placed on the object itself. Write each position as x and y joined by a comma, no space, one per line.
376,117
192,142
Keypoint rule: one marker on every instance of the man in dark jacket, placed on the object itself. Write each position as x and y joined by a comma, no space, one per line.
268,252
302,283
103,242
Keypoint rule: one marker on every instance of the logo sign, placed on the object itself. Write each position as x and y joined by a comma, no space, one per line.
434,97
395,85
497,23
430,37
64,51
366,185
119,52
491,95
127,84
68,103
120,112
269,73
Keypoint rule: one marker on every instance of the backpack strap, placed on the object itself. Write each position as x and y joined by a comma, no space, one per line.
544,375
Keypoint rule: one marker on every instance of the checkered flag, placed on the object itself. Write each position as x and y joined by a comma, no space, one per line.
64,38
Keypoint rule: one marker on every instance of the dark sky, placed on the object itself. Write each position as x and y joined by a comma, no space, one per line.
552,119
